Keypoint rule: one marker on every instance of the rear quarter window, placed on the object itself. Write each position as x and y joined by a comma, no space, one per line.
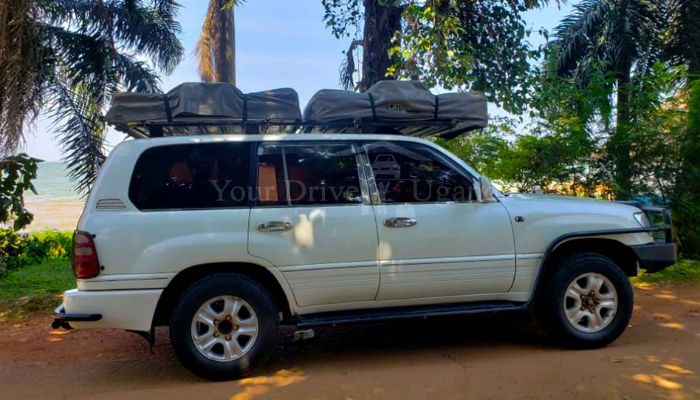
192,176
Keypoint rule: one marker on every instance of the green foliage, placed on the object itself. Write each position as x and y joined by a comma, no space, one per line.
34,288
681,27
682,271
16,175
620,37
475,45
552,163
22,249
686,194
54,276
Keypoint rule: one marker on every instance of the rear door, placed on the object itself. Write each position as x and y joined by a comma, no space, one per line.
435,238
313,220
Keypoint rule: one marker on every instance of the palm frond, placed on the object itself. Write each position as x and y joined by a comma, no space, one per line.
135,75
24,70
204,50
580,32
69,56
80,128
86,58
631,32
215,50
150,30
682,27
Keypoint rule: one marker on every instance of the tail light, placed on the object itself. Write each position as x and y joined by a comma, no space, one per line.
85,262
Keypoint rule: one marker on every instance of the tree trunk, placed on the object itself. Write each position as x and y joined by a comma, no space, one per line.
382,21
620,142
226,52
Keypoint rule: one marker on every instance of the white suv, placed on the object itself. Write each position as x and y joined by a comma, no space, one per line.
224,238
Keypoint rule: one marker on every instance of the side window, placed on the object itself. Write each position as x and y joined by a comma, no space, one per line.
192,176
308,174
413,173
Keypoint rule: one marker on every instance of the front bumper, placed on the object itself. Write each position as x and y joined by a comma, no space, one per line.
662,253
656,256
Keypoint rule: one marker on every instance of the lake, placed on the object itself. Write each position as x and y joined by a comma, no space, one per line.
56,205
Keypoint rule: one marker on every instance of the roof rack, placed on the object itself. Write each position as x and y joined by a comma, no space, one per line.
393,107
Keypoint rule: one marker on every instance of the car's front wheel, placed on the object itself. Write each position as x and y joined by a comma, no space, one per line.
587,302
222,325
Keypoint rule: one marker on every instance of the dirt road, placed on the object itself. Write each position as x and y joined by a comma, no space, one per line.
478,357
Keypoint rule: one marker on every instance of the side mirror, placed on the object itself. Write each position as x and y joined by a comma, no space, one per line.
486,190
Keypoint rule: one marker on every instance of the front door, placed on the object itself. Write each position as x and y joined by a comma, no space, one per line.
314,222
435,239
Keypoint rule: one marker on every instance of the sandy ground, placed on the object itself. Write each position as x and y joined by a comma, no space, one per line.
486,357
54,215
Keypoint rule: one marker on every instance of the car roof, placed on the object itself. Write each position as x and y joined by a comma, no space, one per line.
278,137
142,144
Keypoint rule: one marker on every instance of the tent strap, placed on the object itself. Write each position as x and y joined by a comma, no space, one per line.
436,112
244,120
168,111
374,109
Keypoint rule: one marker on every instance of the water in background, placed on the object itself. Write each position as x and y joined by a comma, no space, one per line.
52,184
56,205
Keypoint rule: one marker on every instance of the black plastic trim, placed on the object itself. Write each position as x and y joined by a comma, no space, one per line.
395,313
572,235
60,314
656,256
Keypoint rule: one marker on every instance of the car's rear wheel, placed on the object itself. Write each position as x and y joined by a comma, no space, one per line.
223,325
587,302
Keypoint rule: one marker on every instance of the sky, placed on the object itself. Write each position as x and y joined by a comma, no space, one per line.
278,44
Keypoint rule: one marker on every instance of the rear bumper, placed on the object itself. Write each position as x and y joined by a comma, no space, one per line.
123,309
656,256
61,319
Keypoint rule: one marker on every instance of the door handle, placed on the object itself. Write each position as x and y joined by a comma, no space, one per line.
274,226
399,222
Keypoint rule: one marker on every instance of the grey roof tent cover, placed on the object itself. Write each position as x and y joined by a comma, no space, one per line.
202,103
405,107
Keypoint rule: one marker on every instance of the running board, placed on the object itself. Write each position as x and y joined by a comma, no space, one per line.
387,314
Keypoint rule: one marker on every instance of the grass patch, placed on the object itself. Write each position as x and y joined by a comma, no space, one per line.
34,288
682,271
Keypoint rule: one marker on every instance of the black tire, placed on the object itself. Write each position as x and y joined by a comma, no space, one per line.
550,302
224,284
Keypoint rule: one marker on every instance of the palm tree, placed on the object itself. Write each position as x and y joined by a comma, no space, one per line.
620,36
216,47
67,57
683,25
683,48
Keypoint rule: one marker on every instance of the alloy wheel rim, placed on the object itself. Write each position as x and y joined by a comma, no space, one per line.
224,328
590,302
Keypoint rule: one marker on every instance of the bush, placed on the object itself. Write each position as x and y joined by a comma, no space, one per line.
21,249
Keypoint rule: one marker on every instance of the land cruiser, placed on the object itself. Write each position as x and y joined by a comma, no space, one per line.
224,237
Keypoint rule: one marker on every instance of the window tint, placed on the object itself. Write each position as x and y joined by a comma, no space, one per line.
315,174
414,173
211,175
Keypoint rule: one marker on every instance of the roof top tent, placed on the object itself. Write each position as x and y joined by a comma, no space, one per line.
203,108
397,107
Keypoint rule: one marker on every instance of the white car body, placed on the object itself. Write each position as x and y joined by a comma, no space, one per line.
333,258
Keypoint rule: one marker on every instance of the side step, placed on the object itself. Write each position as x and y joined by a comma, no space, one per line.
386,314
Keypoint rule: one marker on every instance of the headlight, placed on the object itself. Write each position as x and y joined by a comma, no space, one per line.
642,219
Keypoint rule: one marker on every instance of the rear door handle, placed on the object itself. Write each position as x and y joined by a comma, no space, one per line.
399,222
274,226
